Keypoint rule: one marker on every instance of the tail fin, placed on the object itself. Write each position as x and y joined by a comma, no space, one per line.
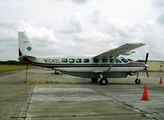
24,44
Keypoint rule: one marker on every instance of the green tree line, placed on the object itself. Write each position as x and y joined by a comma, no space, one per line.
12,62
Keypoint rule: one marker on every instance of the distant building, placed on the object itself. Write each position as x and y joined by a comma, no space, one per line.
155,65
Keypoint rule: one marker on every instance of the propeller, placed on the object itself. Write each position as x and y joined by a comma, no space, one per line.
147,55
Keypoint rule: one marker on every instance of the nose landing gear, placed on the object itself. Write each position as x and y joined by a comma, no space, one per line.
137,81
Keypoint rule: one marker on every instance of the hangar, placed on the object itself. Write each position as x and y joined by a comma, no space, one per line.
155,65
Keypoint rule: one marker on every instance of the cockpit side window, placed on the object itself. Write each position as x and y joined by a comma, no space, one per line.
118,61
124,60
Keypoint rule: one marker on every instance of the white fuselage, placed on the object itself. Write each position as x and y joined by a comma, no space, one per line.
78,64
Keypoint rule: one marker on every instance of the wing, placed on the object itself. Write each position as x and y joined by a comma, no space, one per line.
114,53
119,50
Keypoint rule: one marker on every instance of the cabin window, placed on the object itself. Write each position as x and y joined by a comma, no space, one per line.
95,60
111,60
86,60
105,60
118,61
78,60
64,60
71,60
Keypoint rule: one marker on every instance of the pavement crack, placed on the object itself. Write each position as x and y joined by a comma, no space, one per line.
31,93
128,106
73,116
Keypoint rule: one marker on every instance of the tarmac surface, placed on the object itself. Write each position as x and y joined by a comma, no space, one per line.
47,96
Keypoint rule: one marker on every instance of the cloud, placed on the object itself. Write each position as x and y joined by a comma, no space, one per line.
82,27
42,38
8,47
8,24
95,17
74,25
8,40
161,19
158,3
76,22
38,34
151,34
117,30
80,1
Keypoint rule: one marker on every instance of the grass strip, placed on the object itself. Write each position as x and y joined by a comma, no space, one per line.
6,68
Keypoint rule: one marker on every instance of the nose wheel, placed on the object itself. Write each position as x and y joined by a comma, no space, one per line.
137,81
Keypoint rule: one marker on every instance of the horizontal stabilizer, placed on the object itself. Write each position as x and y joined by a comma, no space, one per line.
22,57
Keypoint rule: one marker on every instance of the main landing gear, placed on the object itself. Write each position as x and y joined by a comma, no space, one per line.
103,80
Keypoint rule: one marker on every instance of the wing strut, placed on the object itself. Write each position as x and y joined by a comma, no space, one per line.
110,66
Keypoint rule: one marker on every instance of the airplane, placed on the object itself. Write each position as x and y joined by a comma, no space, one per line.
108,64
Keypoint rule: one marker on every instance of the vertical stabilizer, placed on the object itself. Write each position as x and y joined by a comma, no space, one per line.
24,44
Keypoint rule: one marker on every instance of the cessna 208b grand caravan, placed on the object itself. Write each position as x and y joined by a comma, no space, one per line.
106,65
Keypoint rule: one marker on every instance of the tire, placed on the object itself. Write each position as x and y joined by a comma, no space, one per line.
137,81
103,81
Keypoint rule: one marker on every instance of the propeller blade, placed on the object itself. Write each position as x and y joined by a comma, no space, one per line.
147,73
147,55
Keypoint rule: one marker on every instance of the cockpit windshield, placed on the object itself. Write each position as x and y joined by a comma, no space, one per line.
123,59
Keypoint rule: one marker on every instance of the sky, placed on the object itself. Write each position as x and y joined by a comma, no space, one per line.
82,27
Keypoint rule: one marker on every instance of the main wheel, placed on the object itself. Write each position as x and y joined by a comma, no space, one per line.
103,81
94,79
137,81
